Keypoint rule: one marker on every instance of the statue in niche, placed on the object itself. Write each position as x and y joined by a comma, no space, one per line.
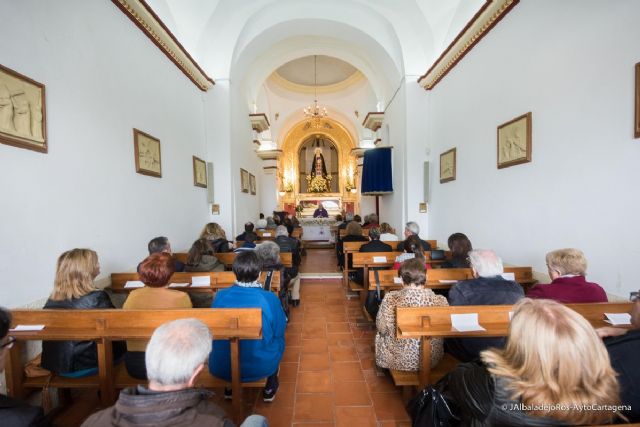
318,167
318,180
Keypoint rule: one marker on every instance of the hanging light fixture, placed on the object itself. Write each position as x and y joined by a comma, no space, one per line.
315,113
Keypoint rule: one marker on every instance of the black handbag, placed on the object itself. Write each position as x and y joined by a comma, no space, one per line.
374,298
429,408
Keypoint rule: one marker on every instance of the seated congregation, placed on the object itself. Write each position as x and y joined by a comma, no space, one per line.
548,355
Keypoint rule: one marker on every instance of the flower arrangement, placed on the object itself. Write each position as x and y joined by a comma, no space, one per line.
318,184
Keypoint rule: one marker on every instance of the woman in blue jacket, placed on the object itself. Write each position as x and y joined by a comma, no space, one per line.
258,358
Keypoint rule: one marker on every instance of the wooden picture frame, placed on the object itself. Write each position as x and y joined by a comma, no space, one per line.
252,184
147,154
244,181
448,166
514,142
199,172
23,119
215,209
637,120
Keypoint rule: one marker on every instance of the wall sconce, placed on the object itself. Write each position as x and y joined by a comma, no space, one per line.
282,193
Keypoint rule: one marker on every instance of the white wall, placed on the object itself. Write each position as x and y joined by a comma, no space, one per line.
571,64
103,77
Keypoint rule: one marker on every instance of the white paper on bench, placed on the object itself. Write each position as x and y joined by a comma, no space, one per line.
266,234
618,318
379,259
201,281
178,285
447,281
133,284
397,280
466,322
27,328
509,276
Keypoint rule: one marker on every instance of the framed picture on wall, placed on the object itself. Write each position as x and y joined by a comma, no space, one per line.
199,172
448,166
637,121
244,181
147,154
514,141
22,111
252,183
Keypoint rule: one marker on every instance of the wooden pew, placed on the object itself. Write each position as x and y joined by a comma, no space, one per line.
297,233
227,258
347,249
105,326
425,323
266,234
367,260
343,232
219,280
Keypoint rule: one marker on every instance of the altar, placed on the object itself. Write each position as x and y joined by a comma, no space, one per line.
332,202
318,229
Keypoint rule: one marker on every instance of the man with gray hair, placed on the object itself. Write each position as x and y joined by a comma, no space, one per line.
175,356
289,244
487,288
412,228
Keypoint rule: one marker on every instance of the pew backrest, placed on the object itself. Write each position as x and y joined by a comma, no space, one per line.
218,279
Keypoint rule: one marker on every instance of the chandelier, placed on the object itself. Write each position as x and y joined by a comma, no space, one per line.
315,113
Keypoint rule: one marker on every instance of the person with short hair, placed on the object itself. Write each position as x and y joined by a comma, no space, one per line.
271,223
320,212
248,243
216,234
567,269
488,287
553,363
387,233
258,358
413,229
14,412
372,221
269,255
623,346
176,355
248,228
354,234
161,245
460,246
375,245
155,272
404,354
74,289
201,257
289,244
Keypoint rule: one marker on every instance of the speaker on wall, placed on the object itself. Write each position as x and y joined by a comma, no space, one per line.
210,182
426,181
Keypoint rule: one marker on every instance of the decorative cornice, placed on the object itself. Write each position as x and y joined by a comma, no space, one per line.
145,18
373,120
259,122
480,25
269,154
336,87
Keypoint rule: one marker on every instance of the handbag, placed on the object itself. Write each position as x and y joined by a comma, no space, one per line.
372,304
429,408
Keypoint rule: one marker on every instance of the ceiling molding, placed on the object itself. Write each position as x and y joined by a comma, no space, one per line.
354,78
145,18
482,22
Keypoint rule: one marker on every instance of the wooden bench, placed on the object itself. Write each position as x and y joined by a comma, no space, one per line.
219,280
343,232
266,234
106,326
425,323
227,258
297,233
347,249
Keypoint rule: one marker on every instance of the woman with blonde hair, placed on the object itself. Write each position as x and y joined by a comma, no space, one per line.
554,370
74,288
216,235
387,233
567,269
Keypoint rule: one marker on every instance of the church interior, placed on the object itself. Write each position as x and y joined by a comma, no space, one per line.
515,122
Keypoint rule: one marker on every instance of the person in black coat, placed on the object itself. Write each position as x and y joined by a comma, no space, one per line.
375,245
412,228
14,412
354,234
248,228
460,246
74,289
623,346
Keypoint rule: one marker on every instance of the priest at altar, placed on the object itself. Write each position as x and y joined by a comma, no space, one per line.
320,212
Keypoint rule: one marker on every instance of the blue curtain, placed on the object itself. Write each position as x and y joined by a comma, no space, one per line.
377,178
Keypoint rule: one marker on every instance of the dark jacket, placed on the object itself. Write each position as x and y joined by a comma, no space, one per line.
340,246
289,244
207,263
478,398
567,290
480,291
624,351
455,263
220,245
16,413
71,356
425,246
141,407
376,246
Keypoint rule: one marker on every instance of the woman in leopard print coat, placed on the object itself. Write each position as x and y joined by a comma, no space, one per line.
404,354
